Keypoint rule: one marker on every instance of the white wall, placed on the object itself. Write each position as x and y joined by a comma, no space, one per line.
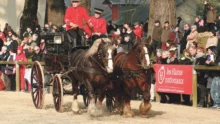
41,12
11,12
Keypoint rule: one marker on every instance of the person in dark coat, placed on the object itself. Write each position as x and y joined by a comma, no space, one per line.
173,98
202,26
37,55
4,54
156,36
163,60
109,27
201,79
183,42
186,60
215,86
145,28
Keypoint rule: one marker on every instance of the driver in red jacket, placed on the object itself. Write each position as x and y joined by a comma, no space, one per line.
74,19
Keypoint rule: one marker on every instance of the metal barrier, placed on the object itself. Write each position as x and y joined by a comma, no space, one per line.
17,63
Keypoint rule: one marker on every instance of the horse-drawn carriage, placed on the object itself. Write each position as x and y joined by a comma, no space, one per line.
59,71
73,70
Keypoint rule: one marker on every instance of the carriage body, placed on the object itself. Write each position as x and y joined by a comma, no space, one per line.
55,71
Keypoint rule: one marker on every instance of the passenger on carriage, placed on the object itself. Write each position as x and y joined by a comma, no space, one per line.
74,19
97,25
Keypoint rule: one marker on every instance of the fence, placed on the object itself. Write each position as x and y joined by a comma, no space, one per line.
17,63
194,95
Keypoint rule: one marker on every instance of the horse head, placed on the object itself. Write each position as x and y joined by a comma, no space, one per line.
104,48
142,52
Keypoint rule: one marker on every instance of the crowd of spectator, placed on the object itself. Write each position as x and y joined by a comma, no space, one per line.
26,47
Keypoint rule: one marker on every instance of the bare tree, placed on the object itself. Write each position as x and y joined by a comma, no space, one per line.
55,12
163,10
29,17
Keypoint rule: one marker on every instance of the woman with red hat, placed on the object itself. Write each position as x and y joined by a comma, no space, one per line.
21,57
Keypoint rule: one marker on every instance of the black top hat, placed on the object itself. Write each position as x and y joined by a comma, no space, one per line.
98,11
75,0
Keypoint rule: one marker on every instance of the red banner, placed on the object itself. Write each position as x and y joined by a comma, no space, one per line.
174,78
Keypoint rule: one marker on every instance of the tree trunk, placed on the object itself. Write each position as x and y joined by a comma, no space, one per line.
29,17
55,12
86,4
163,10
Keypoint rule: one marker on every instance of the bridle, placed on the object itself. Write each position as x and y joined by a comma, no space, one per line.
138,50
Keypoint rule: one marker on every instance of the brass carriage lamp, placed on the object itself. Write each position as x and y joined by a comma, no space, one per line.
107,3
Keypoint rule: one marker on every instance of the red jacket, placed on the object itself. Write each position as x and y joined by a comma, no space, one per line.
76,16
138,32
99,25
21,57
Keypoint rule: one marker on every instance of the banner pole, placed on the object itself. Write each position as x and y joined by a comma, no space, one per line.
194,88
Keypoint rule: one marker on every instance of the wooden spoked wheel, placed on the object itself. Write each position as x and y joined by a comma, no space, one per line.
37,85
110,103
58,93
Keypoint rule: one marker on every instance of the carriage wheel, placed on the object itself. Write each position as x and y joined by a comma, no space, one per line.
110,103
37,85
58,93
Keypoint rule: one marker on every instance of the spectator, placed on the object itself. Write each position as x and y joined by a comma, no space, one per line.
156,36
145,28
21,57
212,40
28,31
218,23
3,57
37,56
14,43
192,37
10,70
2,36
210,16
173,98
130,36
197,19
183,42
37,30
165,33
164,58
115,30
202,26
109,27
215,86
201,79
138,30
186,60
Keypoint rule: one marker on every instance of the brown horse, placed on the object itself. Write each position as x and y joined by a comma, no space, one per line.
91,69
132,71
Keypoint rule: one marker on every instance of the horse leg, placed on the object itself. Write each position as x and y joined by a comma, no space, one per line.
127,111
92,109
145,105
75,104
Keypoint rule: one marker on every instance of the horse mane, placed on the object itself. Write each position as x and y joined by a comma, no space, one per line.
95,47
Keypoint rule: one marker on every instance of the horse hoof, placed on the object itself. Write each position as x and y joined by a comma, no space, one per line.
144,109
127,112
93,111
